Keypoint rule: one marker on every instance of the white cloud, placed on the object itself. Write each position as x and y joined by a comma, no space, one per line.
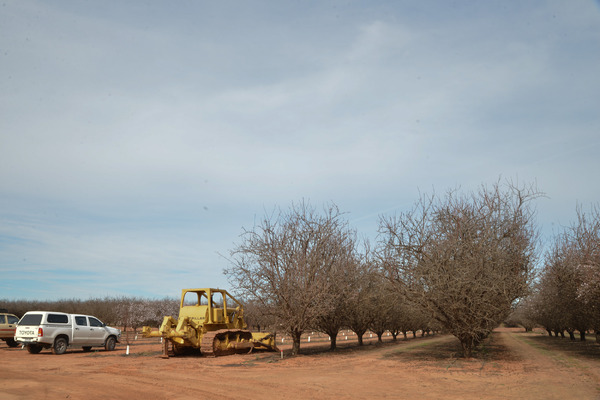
128,120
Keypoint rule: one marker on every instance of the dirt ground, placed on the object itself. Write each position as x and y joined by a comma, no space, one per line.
512,364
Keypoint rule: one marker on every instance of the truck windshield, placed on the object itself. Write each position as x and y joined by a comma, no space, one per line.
31,319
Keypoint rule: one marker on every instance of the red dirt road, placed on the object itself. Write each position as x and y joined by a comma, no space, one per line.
510,365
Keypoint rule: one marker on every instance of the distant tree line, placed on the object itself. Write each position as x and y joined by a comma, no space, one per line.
458,262
566,295
129,313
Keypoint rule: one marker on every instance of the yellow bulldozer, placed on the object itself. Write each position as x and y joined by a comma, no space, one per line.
210,320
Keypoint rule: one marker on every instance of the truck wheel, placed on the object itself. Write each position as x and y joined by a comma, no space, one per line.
11,343
110,344
60,345
34,348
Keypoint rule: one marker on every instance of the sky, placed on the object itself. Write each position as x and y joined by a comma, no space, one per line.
138,139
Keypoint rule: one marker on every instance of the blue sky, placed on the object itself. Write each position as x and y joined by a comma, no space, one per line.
137,138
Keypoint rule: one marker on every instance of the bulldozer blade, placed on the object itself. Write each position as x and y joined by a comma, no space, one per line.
265,341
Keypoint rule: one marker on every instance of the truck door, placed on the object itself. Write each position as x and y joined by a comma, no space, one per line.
97,331
4,330
81,334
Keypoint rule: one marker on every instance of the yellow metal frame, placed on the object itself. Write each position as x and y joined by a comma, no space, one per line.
204,313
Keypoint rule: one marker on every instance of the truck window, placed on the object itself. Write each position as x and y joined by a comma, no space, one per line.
2,319
31,319
81,321
12,319
95,322
57,319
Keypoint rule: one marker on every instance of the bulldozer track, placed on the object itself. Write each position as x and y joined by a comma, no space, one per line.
210,341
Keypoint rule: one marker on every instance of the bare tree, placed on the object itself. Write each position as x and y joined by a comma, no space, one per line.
255,317
342,279
126,312
585,236
407,316
546,305
465,258
156,310
569,288
523,314
383,303
286,264
562,277
359,311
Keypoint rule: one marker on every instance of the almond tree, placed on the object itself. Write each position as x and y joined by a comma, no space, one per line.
408,316
157,310
342,280
288,262
585,239
359,305
359,314
546,305
255,317
523,314
464,258
561,279
131,313
568,292
383,302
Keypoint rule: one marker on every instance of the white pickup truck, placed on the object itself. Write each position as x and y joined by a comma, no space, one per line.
45,329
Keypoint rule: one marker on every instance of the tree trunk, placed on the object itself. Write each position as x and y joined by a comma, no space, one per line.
571,334
405,336
549,332
296,342
379,335
359,335
467,346
414,334
582,335
333,342
394,335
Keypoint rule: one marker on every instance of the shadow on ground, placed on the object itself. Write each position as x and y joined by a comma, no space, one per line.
587,349
491,350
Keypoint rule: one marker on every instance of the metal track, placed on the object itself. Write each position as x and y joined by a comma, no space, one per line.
211,340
